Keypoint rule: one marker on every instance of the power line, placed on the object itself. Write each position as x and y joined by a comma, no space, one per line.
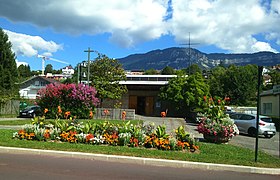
189,50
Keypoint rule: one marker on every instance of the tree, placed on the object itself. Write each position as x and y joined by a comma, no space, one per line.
151,72
240,84
24,71
105,75
194,68
275,77
49,68
8,67
186,92
216,81
168,71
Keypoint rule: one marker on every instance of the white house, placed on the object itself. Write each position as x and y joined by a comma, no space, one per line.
68,70
29,88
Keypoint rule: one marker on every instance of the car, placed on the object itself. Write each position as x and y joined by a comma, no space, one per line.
246,123
30,111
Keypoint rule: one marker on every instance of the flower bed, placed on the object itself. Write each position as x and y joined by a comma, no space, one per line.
124,134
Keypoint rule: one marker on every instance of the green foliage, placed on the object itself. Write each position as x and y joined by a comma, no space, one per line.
105,75
237,82
216,81
8,67
168,71
24,71
186,93
48,68
151,72
193,69
275,77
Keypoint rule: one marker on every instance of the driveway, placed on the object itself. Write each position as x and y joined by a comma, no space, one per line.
268,145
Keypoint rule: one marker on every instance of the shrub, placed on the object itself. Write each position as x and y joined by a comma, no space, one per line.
79,99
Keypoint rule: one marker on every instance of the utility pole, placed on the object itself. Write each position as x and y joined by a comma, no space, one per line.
88,51
189,51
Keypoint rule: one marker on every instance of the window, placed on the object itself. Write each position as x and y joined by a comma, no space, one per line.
247,117
37,83
267,108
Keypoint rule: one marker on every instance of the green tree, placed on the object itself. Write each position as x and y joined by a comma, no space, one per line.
49,68
275,77
151,72
24,71
105,75
194,68
216,81
168,71
240,84
8,67
186,92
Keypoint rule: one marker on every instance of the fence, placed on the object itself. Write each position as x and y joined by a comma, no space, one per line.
112,113
9,107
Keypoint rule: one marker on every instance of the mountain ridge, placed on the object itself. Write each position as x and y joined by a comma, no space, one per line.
178,58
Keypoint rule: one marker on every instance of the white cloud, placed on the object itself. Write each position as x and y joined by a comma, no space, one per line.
21,63
228,24
27,45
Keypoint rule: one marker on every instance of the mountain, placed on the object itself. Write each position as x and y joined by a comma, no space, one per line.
179,58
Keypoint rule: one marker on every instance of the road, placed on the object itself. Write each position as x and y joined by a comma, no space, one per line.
43,167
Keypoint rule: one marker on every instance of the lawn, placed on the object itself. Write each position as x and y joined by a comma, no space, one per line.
211,153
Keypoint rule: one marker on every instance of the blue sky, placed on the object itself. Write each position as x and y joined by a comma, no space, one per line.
64,29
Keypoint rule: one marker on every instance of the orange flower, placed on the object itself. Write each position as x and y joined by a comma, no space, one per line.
123,115
59,109
46,110
106,112
66,114
90,114
163,114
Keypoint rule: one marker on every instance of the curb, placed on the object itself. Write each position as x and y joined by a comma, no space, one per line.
144,161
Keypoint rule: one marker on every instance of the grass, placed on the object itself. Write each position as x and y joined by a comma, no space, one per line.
210,153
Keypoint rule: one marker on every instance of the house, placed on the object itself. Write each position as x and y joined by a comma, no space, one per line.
29,88
143,93
270,102
68,70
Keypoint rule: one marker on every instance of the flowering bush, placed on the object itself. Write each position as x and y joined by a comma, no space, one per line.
78,99
215,125
124,134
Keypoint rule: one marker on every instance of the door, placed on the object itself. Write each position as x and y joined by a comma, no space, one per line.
132,102
149,108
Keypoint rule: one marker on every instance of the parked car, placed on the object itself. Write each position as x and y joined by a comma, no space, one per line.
30,112
246,123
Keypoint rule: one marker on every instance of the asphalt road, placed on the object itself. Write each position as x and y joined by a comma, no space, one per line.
43,167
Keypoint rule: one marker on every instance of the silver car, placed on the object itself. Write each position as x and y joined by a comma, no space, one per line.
246,123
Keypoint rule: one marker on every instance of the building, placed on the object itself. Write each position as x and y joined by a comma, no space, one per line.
68,70
270,102
143,93
29,88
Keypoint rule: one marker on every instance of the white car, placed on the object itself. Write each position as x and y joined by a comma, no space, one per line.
246,123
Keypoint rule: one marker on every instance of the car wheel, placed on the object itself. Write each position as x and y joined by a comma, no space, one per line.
252,131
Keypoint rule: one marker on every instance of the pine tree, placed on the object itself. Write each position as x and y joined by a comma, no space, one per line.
8,67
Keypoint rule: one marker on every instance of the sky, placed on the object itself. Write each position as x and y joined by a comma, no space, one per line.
64,29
